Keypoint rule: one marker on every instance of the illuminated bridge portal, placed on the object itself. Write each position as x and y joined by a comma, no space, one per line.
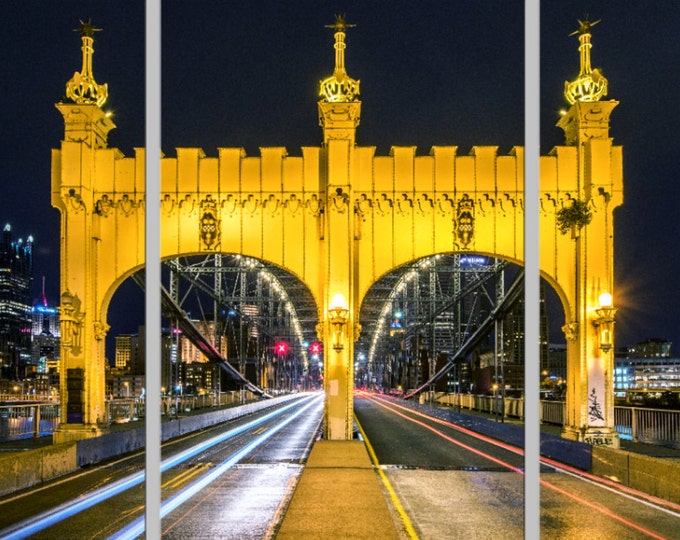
351,227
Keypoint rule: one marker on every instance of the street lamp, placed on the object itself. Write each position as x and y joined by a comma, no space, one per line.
338,315
604,321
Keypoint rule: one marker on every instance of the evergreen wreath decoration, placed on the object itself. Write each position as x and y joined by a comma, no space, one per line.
577,215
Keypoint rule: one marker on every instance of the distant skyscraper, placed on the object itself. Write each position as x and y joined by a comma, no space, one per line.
16,277
191,353
45,335
45,338
513,338
125,343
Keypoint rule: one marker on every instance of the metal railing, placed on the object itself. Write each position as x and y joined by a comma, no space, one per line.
127,409
22,420
653,426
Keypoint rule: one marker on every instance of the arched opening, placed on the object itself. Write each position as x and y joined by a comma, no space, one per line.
259,318
454,323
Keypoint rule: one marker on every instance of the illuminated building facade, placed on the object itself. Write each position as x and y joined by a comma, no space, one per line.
125,343
646,368
16,279
45,334
197,378
130,363
191,354
651,348
514,352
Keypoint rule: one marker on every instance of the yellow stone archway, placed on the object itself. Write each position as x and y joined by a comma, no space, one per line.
338,217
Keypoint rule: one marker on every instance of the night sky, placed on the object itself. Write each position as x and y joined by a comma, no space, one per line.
432,73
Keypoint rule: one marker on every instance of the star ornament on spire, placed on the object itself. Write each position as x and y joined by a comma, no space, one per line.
584,26
87,28
340,24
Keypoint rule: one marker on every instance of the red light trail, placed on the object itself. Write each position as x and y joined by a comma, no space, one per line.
605,484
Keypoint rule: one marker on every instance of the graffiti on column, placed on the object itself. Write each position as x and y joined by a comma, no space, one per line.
594,408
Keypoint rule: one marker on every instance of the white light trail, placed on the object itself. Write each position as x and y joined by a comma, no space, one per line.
136,528
46,519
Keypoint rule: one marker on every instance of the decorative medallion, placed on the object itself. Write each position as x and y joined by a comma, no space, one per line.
272,205
168,205
404,204
209,225
314,205
293,204
103,206
465,221
383,204
126,205
445,205
339,201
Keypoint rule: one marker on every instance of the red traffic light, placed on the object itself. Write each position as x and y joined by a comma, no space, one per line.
315,348
281,348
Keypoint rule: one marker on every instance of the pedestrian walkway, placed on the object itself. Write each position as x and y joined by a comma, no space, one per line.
339,495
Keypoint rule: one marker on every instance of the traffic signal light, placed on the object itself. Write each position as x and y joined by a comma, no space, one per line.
281,348
315,348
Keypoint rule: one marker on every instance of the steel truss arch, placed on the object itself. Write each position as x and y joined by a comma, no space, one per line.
418,317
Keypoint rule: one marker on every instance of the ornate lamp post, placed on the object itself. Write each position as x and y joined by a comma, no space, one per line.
604,321
338,315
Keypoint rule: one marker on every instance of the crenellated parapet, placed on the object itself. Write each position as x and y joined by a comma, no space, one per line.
477,196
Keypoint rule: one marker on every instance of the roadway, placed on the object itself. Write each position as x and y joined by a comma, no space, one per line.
453,483
229,481
236,480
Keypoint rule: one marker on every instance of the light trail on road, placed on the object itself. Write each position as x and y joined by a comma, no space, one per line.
44,520
666,507
137,527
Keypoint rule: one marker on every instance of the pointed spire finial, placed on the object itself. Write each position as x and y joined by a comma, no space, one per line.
82,88
339,87
590,85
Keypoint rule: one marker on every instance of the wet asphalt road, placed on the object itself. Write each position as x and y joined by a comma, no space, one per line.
450,484
241,502
453,485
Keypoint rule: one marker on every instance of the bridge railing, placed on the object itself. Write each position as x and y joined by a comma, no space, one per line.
494,405
122,410
22,420
653,426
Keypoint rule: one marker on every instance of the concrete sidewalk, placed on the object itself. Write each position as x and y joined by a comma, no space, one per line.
339,495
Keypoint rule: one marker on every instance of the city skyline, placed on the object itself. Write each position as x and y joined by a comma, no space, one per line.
248,75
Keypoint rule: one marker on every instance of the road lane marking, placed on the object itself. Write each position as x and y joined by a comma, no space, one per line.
410,530
181,478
